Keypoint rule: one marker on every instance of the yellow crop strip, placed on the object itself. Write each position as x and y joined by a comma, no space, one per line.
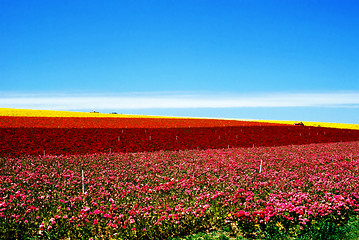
317,124
50,113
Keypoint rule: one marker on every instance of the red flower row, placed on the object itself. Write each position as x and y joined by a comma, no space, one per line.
39,141
94,122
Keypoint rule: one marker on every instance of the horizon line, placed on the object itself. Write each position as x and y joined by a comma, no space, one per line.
178,100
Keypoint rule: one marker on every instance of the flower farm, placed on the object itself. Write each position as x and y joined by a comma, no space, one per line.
123,177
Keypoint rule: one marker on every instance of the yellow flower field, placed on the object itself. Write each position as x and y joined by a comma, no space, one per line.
317,124
50,113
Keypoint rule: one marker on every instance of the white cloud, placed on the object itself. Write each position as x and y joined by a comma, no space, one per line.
178,100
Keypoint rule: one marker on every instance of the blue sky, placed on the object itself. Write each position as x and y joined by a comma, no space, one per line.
278,59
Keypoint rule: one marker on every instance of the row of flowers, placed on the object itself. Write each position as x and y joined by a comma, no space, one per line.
157,195
41,141
125,122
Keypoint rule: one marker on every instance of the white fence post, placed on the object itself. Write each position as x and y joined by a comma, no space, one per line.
83,182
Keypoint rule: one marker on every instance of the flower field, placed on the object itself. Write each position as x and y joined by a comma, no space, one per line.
15,142
164,194
73,176
20,135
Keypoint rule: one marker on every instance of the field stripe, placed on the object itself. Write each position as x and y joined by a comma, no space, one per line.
316,124
49,113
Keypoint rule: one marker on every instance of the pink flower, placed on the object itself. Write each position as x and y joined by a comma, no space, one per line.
240,213
85,209
112,225
97,211
52,221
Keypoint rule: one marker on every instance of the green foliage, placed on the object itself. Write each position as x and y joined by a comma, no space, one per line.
325,230
328,230
222,237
